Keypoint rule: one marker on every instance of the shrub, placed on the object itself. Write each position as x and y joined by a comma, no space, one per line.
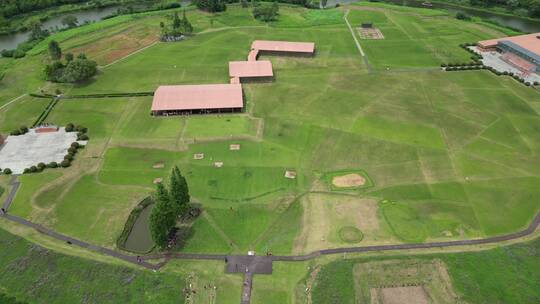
26,171
52,165
7,171
7,53
82,137
24,129
33,169
41,166
528,84
18,53
443,65
72,150
68,157
15,132
81,129
65,163
70,127
536,83
75,145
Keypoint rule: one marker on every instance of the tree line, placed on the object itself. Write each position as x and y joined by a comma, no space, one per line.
172,203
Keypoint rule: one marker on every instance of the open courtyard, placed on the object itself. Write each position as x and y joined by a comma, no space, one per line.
360,145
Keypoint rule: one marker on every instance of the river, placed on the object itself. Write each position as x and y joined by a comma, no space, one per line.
90,15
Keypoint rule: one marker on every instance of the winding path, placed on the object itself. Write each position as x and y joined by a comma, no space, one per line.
143,261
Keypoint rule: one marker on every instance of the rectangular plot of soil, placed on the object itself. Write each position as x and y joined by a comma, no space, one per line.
400,295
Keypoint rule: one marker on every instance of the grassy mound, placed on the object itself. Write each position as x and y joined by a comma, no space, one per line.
350,234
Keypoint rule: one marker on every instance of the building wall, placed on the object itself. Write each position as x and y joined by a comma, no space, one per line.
196,112
505,48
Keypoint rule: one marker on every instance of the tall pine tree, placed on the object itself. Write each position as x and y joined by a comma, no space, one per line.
163,216
179,192
55,52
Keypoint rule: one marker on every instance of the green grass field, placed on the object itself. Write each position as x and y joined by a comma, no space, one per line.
447,155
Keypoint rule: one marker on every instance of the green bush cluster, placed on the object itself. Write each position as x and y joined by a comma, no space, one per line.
20,131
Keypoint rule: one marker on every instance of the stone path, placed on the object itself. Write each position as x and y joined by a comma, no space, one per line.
247,264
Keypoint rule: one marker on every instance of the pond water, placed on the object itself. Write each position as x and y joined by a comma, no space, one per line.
522,24
139,239
90,15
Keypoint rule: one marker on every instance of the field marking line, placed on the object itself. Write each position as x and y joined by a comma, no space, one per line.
12,101
353,35
128,55
220,231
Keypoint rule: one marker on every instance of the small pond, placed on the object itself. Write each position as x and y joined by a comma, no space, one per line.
139,239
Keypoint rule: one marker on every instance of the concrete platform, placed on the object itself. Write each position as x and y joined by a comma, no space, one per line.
249,264
24,151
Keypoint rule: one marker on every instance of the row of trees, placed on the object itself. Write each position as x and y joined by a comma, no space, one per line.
171,204
75,69
177,29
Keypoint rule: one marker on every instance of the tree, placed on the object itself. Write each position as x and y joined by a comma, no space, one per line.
36,32
79,70
266,12
70,21
187,28
323,3
179,192
162,217
55,52
176,22
69,57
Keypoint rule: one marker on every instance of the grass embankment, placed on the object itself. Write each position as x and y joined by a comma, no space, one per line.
501,275
34,274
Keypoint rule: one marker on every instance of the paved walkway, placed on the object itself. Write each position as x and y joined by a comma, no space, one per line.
261,261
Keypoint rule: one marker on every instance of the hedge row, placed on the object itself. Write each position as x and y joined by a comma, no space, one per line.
46,112
109,95
121,241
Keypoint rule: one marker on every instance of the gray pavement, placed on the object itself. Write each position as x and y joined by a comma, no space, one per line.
23,151
493,59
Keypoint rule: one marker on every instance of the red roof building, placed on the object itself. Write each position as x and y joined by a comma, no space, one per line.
197,99
284,46
254,70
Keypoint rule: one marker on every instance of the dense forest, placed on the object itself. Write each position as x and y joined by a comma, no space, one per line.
530,8
10,8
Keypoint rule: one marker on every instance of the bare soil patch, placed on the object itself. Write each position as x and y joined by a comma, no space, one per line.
198,156
234,147
348,180
218,164
290,174
399,295
159,165
112,48
158,180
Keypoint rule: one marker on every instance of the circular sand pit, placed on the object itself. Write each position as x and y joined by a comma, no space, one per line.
350,234
348,180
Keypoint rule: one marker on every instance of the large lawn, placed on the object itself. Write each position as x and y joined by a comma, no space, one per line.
448,155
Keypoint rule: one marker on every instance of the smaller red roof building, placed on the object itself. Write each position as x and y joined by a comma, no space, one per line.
205,98
250,69
283,46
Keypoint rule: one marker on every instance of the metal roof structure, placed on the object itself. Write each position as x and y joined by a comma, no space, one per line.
197,97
